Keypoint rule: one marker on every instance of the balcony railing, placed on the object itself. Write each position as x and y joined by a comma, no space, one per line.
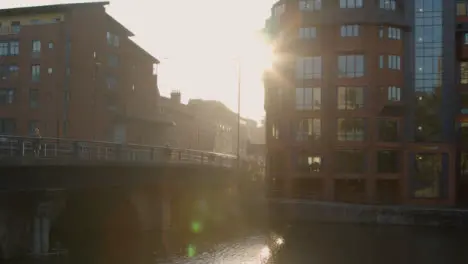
76,151
9,30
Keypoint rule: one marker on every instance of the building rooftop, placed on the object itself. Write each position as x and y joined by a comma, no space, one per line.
155,60
47,8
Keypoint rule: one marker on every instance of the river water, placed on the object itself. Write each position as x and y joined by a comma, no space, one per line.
339,244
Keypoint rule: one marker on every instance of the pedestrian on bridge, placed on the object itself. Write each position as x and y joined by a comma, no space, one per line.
37,142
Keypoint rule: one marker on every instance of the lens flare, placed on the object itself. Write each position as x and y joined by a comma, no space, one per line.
279,241
265,253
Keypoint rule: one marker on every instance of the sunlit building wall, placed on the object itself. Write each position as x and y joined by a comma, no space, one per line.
361,105
72,71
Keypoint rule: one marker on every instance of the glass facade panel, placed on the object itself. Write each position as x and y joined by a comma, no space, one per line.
428,70
428,174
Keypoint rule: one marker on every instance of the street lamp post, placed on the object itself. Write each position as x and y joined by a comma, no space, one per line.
238,109
96,68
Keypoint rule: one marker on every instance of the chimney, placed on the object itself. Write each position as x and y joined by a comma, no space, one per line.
176,96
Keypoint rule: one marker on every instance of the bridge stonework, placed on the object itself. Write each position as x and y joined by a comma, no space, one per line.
111,210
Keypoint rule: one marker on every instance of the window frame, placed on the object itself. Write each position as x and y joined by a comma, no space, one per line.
36,46
394,93
309,68
351,61
356,135
388,5
34,98
394,33
7,96
302,100
308,129
350,30
394,62
310,5
308,32
351,3
347,104
36,72
3,125
463,68
14,49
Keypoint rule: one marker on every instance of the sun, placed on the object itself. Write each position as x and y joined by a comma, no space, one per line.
257,53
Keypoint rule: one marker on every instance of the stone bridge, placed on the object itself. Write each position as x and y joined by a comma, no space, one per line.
112,202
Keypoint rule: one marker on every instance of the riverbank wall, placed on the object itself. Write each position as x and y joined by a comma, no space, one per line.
300,211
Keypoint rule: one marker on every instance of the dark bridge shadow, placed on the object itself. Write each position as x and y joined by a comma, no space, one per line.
98,226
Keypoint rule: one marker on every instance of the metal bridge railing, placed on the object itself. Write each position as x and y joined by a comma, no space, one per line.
54,148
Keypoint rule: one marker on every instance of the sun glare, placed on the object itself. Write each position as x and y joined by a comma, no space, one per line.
257,52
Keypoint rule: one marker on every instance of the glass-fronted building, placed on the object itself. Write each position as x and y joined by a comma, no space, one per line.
367,101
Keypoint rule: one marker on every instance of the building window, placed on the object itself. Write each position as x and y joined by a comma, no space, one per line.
309,163
14,71
4,72
36,46
310,5
381,31
7,126
351,161
350,3
429,59
394,33
465,39
34,98
7,96
351,129
464,72
15,27
350,30
388,161
381,62
275,133
51,45
394,93
308,129
308,33
308,98
387,130
350,98
350,66
309,68
14,48
394,62
113,60
427,179
32,125
461,9
111,82
36,72
388,4
4,49
279,10
50,70
113,40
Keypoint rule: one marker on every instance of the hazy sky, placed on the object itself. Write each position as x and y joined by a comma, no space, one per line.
197,43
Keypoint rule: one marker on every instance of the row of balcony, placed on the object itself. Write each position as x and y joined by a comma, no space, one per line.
9,30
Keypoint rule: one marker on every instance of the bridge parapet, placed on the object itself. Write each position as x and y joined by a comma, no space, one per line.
20,150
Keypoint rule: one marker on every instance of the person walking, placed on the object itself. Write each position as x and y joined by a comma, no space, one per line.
37,142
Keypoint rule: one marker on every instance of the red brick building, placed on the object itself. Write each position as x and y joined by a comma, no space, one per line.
334,101
72,71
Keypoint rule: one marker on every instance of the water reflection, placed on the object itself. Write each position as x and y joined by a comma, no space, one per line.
342,244
252,250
